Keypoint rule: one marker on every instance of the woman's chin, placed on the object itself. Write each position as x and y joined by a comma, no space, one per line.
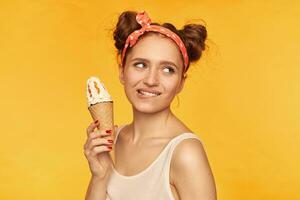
144,108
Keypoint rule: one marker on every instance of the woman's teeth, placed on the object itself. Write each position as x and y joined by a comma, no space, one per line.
147,93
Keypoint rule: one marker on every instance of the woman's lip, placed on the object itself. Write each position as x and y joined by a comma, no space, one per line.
149,91
145,96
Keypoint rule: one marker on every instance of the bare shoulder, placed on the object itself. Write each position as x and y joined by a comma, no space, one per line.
190,171
189,152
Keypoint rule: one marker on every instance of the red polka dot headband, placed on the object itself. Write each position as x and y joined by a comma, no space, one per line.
143,19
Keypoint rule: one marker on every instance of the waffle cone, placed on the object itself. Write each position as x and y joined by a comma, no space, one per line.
103,112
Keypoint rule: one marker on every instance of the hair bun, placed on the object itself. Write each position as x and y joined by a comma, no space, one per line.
194,36
126,24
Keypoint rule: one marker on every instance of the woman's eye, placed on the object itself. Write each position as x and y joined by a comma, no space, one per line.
169,70
140,65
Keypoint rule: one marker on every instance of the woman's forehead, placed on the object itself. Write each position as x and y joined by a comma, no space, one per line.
156,47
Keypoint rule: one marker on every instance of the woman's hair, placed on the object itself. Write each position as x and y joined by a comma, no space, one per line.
192,35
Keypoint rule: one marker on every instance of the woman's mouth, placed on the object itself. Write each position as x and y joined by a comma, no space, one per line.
147,94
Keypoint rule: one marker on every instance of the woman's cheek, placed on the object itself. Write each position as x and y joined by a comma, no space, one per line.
170,85
134,76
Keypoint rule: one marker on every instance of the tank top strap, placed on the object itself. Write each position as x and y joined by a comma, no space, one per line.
182,137
118,131
174,144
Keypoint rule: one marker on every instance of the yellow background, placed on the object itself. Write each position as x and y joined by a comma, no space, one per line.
242,98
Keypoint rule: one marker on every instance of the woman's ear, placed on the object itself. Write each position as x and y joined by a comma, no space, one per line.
121,74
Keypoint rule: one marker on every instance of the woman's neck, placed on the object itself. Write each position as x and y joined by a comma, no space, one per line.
147,125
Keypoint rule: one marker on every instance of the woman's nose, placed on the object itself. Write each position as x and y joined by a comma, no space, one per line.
151,78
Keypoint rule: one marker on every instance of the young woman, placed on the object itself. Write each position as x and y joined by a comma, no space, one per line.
157,157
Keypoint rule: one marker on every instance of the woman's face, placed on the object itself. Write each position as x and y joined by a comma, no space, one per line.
152,75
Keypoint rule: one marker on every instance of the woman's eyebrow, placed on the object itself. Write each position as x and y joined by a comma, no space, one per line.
161,62
142,59
169,63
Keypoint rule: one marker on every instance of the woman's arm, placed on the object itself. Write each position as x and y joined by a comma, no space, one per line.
192,174
97,189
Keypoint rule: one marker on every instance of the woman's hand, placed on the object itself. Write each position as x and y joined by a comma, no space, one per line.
96,150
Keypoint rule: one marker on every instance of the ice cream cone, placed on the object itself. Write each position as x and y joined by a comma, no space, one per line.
100,106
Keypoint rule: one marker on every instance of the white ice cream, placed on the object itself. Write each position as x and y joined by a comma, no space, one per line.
96,92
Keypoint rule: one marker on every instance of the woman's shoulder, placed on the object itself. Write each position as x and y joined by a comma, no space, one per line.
189,150
190,160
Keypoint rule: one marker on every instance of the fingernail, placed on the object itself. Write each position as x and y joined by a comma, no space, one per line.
108,131
110,141
96,121
109,147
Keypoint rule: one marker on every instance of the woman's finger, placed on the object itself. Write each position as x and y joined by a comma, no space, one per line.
91,127
98,134
100,141
99,149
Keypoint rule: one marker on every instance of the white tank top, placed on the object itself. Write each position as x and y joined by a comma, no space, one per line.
150,184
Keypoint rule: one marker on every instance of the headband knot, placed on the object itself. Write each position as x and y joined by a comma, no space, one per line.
143,19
